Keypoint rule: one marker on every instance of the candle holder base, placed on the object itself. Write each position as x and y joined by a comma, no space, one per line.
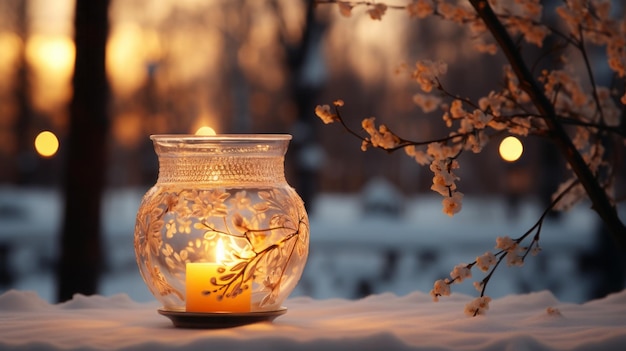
217,320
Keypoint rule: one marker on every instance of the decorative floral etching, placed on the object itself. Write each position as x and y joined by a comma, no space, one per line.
264,233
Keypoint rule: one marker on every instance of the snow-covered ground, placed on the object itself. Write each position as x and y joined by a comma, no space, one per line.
535,321
353,253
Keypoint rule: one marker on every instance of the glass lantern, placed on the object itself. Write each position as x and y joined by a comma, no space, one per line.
221,231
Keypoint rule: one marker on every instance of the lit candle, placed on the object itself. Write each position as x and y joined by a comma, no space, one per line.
203,296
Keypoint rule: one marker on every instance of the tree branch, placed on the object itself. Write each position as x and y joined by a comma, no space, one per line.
600,201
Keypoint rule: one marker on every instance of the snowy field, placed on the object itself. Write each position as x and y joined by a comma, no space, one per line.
353,253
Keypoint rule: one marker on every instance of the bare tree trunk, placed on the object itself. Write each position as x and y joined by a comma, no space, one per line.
81,254
304,90
600,201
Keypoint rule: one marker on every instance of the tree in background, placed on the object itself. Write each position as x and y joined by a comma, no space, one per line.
81,254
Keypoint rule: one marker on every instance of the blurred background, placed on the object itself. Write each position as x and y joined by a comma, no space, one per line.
261,66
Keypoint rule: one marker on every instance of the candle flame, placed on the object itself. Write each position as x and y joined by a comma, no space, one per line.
219,252
205,130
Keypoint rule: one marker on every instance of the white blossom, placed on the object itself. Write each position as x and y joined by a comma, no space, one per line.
460,273
427,103
477,306
420,156
443,190
456,109
477,141
535,250
426,73
512,250
324,113
520,126
440,151
485,261
365,144
440,288
453,204
368,125
492,103
381,137
513,258
479,119
505,243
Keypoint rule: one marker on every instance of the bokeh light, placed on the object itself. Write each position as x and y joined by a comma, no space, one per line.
51,58
51,53
46,144
10,46
130,52
511,149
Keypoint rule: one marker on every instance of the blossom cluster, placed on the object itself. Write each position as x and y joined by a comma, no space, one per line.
477,306
506,248
380,137
444,181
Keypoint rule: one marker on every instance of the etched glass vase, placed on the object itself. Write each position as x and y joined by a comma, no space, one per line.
221,230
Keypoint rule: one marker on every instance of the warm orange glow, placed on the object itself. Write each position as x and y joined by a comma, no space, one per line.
130,50
193,59
206,121
205,130
46,144
52,60
370,48
127,129
202,296
10,46
219,252
511,149
54,54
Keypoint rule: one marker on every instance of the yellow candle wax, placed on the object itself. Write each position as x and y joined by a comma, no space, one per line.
198,282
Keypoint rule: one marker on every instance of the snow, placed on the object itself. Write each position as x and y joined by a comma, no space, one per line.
381,321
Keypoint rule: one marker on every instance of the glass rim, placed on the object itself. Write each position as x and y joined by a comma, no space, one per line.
220,137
